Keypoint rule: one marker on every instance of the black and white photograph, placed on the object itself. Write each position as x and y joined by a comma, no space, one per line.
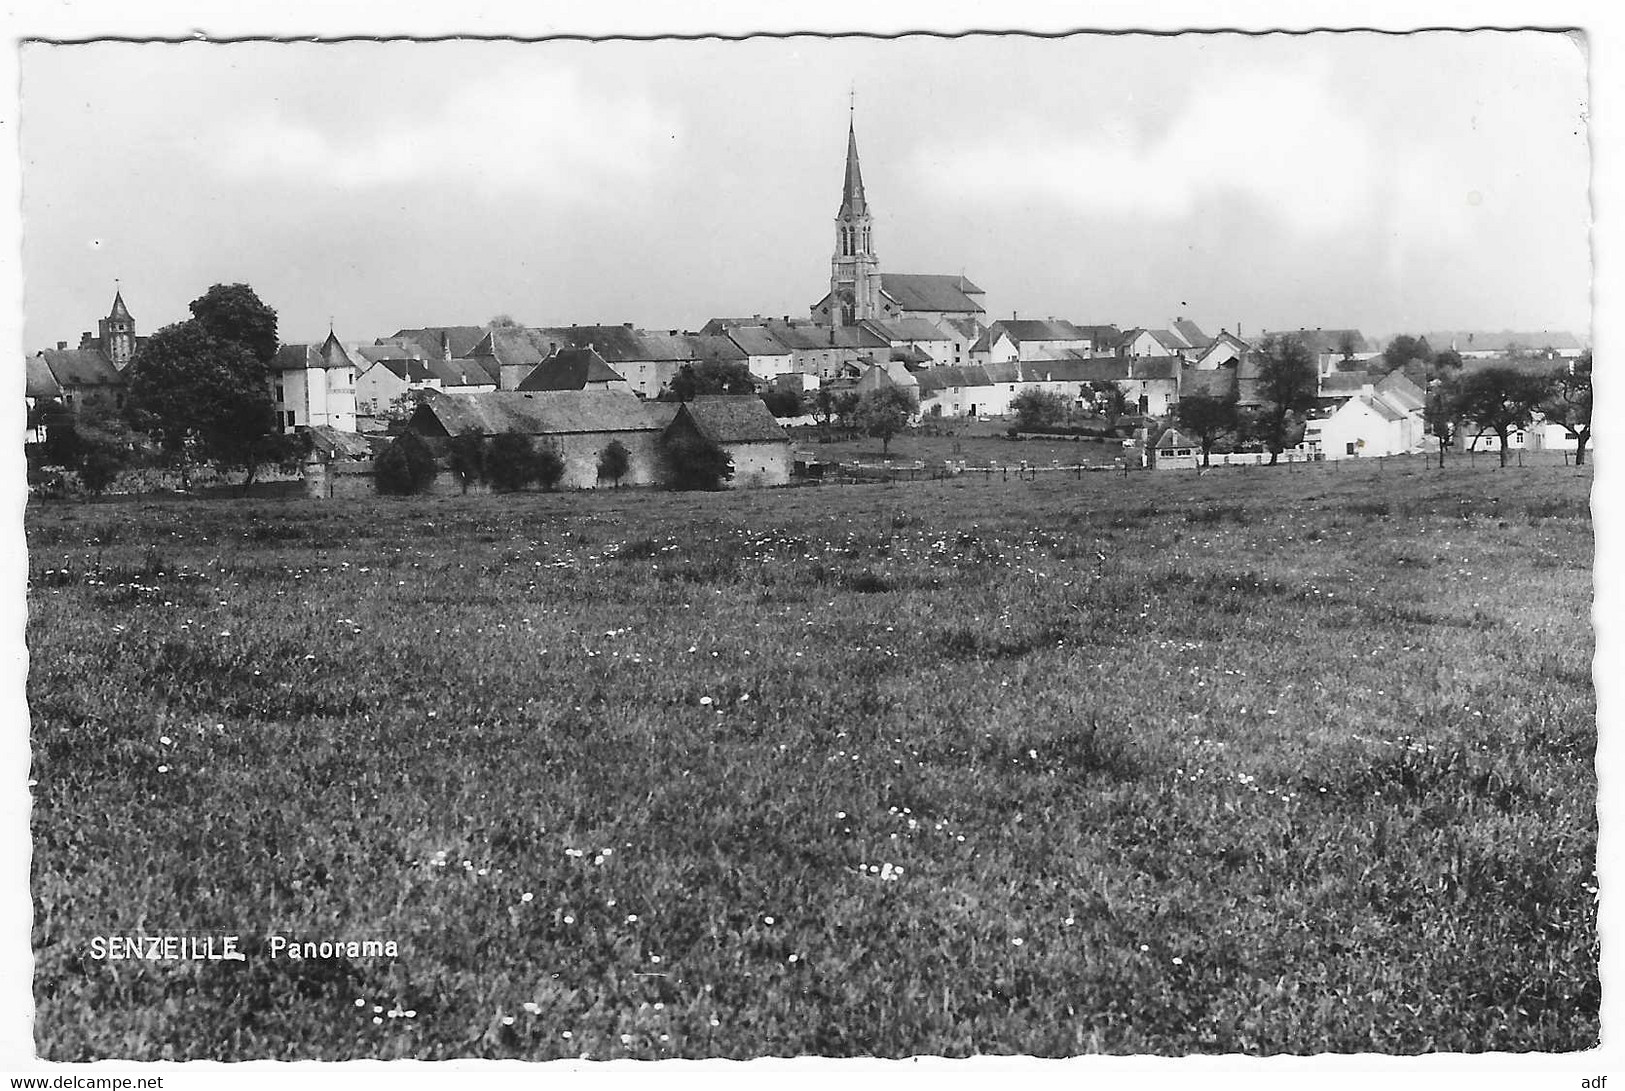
809,545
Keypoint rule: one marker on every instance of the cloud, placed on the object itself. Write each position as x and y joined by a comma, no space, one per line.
1273,133
531,131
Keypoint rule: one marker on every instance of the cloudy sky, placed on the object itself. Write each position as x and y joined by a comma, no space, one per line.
1384,182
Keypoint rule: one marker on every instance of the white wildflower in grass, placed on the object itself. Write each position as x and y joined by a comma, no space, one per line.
163,768
1017,942
654,958
716,1022
164,739
795,958
531,1007
568,919
377,1019
360,1003
507,1020
526,896
626,1039
1178,961
1145,947
767,920
1069,920
631,918
567,1034
705,700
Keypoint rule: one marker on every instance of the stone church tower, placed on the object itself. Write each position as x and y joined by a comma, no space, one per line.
116,333
854,277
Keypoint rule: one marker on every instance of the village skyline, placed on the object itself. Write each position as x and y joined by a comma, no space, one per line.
724,207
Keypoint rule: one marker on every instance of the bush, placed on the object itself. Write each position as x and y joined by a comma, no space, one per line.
514,461
694,462
784,403
1038,409
406,467
466,457
614,461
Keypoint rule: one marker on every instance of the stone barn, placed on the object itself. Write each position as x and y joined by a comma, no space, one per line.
578,424
741,425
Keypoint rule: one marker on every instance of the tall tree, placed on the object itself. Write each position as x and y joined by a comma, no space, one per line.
198,394
1440,415
503,322
711,377
1405,348
234,313
1208,417
1038,408
1286,384
1570,404
1110,400
1500,400
614,461
884,412
465,457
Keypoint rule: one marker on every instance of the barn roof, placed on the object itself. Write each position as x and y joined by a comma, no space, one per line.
1398,389
413,371
464,371
331,441
733,418
1040,329
539,413
708,346
1218,383
1344,384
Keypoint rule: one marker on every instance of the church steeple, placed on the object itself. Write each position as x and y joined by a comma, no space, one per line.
854,279
116,332
852,194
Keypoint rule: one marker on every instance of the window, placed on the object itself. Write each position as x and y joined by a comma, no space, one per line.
1350,447
279,395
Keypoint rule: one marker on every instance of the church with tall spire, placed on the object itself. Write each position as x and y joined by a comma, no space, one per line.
115,335
859,292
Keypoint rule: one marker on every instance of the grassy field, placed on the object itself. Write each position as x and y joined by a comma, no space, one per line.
1256,761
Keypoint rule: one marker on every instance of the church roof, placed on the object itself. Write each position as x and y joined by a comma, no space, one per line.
120,311
931,292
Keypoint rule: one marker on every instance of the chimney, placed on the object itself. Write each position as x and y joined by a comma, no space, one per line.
61,345
626,325
674,333
445,345
552,347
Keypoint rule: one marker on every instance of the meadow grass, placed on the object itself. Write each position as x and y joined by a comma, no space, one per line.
1251,761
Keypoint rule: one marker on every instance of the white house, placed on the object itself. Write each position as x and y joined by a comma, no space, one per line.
314,385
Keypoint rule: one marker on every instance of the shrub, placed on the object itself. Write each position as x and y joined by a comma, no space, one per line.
547,467
1038,408
510,461
406,467
614,461
694,462
466,457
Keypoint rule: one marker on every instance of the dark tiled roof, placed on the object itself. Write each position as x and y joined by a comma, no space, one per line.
1039,329
328,354
549,412
1153,367
427,338
758,341
1218,383
1192,333
39,382
616,344
930,292
733,418
968,329
910,354
465,371
380,352
935,379
570,369
413,371
81,367
908,329
1170,340
722,347
331,441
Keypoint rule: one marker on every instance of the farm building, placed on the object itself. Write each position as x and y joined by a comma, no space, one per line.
742,426
578,424
1175,450
574,369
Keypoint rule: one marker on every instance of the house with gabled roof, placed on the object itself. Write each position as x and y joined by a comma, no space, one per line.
742,426
1035,339
314,385
84,377
1141,341
767,356
955,390
574,369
